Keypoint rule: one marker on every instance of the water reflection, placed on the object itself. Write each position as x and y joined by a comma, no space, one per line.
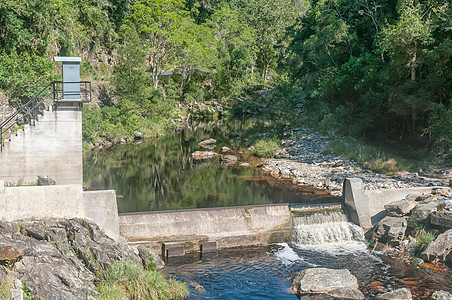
161,175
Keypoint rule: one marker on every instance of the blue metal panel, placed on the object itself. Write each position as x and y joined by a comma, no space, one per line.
71,73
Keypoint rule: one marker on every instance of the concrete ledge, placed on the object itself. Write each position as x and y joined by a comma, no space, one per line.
60,201
228,226
366,207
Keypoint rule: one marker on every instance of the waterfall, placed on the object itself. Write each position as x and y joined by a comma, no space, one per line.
325,224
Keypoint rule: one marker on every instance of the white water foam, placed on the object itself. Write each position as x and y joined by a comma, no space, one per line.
286,254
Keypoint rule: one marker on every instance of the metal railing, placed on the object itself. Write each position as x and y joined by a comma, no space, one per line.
28,113
25,114
83,94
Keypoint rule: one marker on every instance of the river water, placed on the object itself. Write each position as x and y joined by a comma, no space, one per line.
161,175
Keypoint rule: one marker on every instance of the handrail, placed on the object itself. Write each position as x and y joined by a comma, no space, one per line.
5,126
33,105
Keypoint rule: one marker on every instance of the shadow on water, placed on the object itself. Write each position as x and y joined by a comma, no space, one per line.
160,174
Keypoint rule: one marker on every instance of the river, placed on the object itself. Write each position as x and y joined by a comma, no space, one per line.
160,174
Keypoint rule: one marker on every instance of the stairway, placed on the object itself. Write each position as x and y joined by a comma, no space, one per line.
52,147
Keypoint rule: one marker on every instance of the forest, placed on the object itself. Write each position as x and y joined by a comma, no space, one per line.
372,69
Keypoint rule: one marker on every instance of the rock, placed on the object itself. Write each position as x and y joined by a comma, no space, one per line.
8,254
390,230
17,294
58,262
122,141
198,155
441,295
209,143
441,192
441,218
146,257
439,248
429,198
276,172
321,280
421,214
285,173
399,294
400,208
225,149
245,164
228,159
138,135
45,180
346,293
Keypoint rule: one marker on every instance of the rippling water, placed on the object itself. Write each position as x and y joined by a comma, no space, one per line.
265,272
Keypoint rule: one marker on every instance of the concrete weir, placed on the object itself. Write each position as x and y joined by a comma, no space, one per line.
225,227
366,207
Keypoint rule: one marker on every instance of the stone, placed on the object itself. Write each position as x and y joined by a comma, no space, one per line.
346,293
390,230
245,164
146,257
441,192
138,135
45,180
276,172
228,159
439,248
17,294
421,214
209,143
399,294
428,198
400,208
441,295
441,218
225,149
8,254
321,280
199,155
285,173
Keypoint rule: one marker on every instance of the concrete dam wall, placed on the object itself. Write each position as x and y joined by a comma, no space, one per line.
226,226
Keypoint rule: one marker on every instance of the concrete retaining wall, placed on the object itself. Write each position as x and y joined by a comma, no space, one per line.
228,226
366,207
60,201
52,147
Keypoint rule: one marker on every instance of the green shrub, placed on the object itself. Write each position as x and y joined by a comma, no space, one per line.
125,280
265,148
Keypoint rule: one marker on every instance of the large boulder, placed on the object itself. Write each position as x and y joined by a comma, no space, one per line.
228,160
400,208
439,248
399,294
346,293
441,218
322,280
390,230
421,214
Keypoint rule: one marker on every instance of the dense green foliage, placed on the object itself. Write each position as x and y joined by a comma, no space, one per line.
368,68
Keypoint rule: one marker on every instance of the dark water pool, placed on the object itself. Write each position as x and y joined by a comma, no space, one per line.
161,175
265,272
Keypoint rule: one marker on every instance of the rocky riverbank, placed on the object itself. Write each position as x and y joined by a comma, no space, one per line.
59,258
302,159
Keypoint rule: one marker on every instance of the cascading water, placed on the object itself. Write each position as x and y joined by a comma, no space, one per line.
320,225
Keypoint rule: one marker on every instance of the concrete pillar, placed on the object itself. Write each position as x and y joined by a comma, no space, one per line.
356,202
2,199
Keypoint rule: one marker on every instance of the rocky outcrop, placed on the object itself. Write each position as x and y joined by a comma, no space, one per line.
59,258
399,294
324,281
400,208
